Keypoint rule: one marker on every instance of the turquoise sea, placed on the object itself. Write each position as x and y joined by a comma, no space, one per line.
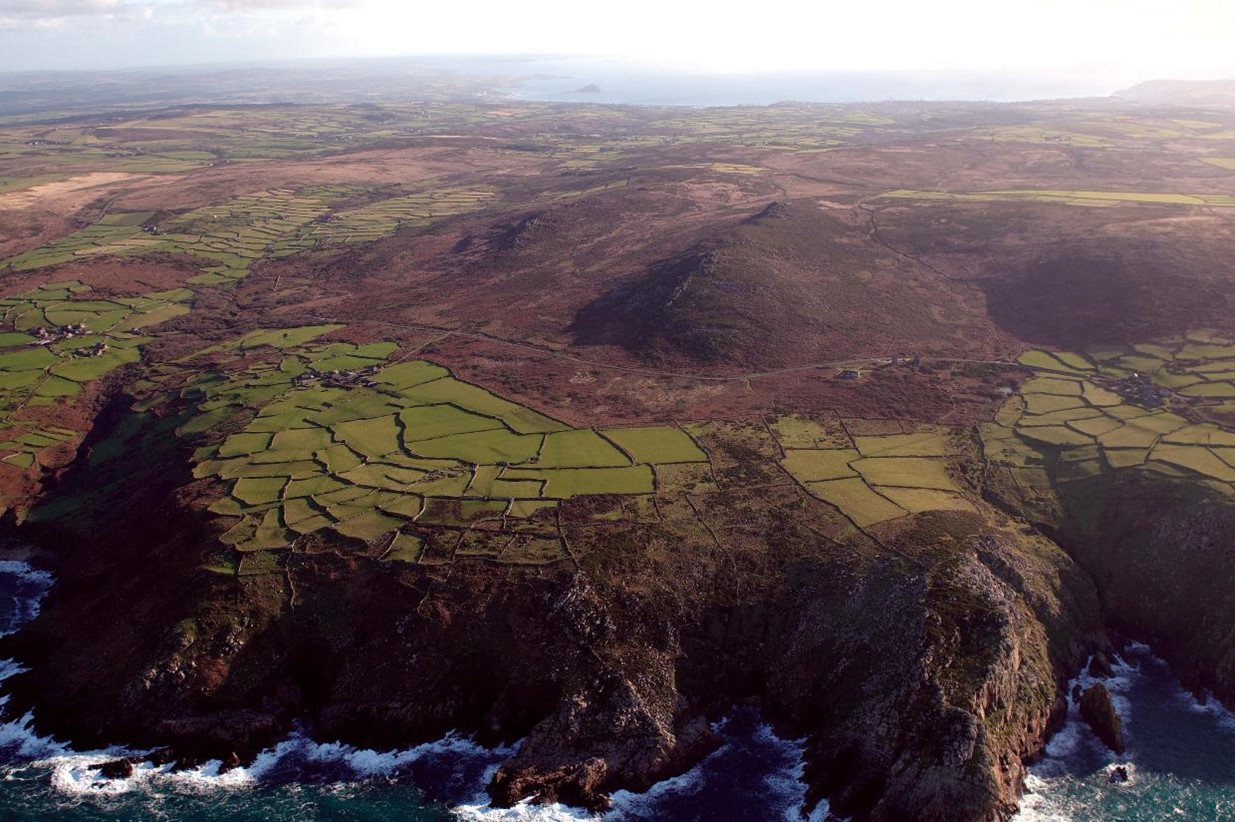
1181,759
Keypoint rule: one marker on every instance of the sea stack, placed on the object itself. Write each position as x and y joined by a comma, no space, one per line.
1098,710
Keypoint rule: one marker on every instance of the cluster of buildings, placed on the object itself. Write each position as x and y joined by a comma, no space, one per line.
1143,391
856,374
338,379
96,350
47,336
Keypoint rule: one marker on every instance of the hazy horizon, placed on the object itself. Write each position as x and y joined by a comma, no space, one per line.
1113,43
536,78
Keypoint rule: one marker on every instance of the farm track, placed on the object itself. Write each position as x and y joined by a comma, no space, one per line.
970,285
657,372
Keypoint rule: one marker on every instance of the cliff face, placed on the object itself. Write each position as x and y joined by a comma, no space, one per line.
923,662
1161,551
963,682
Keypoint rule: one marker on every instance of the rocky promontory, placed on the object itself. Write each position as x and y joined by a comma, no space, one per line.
923,660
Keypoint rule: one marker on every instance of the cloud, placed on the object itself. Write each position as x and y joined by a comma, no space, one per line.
245,6
51,14
35,9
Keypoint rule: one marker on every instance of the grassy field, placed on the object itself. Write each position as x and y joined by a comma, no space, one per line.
1041,135
656,445
228,238
34,376
870,477
406,444
1116,408
1081,198
380,219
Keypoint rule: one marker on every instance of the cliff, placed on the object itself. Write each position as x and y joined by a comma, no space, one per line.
923,662
1160,549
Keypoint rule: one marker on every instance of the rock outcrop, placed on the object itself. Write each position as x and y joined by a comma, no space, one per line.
1099,713
1160,550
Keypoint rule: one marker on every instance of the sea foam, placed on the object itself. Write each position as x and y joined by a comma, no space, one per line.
456,767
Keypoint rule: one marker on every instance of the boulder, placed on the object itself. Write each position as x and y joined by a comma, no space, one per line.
1100,666
116,769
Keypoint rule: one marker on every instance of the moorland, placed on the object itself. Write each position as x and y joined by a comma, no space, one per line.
580,425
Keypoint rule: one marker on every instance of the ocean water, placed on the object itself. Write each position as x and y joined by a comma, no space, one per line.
604,80
753,775
1180,757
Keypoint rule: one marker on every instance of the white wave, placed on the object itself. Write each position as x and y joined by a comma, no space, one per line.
786,787
26,571
1037,807
78,774
7,668
481,810
19,741
1046,783
783,793
629,803
1222,716
27,607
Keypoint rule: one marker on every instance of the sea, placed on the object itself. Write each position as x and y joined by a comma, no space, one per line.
616,82
1181,761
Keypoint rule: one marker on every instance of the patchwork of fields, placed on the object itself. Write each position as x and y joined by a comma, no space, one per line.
230,237
1079,198
871,470
40,366
390,444
396,453
1133,407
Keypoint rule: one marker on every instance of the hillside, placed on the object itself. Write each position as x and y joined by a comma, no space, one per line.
787,285
1181,93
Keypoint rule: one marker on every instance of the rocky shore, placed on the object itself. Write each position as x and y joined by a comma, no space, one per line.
924,661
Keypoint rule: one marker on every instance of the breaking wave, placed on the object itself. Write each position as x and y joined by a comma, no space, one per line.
1180,759
753,774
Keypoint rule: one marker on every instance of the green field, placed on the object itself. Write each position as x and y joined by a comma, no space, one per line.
228,238
857,500
414,449
660,445
812,465
878,476
37,376
1117,410
1080,198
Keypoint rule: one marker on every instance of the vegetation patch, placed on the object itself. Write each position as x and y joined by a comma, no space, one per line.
66,340
659,445
885,472
229,237
857,500
1079,198
366,449
1136,408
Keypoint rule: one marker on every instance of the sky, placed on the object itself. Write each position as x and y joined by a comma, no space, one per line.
1127,40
